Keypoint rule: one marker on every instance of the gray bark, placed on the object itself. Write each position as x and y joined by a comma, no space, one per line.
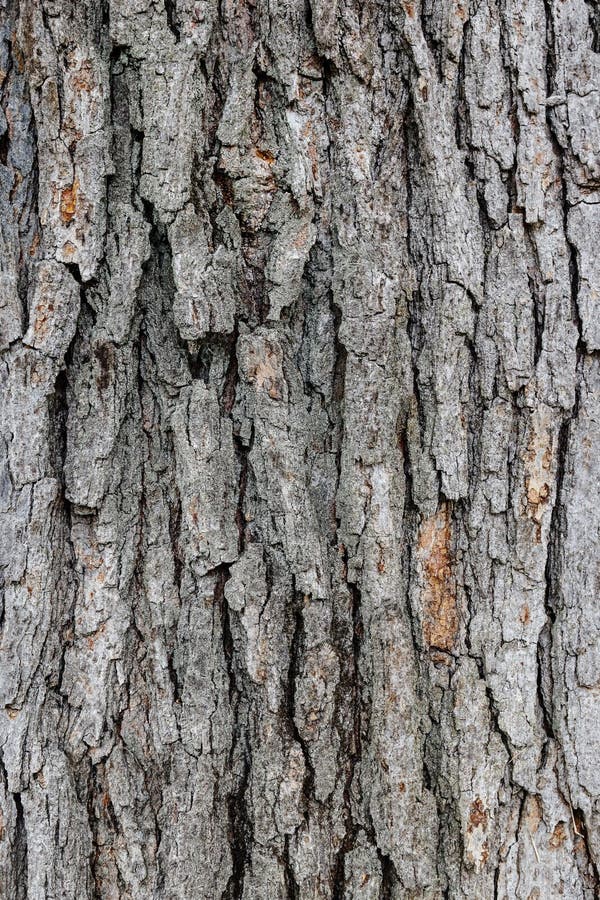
300,449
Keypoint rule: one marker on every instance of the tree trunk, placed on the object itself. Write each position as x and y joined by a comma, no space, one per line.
300,449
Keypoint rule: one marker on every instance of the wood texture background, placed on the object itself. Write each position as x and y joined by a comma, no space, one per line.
299,449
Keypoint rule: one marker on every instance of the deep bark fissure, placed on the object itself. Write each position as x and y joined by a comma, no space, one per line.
294,672
20,851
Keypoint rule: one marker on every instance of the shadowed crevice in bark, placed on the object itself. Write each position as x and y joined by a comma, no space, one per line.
294,670
172,20
19,851
594,19
240,823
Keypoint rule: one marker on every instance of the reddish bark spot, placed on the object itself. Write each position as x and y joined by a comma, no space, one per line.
194,512
301,238
485,852
525,615
84,81
478,816
477,847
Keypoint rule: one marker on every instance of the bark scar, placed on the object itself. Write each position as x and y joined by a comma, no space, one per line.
434,553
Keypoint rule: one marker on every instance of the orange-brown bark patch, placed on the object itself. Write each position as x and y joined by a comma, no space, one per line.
440,615
35,243
265,155
533,813
68,202
558,836
538,459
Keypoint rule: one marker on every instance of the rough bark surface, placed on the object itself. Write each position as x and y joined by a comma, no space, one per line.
300,449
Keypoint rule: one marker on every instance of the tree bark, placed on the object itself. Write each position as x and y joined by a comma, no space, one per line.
300,449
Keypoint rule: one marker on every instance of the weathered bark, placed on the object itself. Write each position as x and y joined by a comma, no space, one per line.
300,449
